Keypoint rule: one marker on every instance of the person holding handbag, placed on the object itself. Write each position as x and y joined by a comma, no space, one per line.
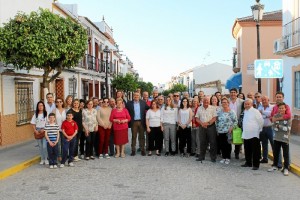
38,122
226,121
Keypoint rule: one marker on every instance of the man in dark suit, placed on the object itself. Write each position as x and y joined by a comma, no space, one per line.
137,110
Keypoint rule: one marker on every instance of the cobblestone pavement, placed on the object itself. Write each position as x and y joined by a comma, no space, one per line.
150,178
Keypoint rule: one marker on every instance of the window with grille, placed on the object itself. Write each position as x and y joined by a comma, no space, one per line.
297,89
73,87
24,102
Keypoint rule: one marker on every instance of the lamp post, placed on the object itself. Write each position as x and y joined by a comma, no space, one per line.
257,11
107,51
188,83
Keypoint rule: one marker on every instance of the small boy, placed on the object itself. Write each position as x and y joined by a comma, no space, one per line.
69,129
282,130
52,137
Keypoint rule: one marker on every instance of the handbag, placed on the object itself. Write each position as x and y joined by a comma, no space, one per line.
237,136
41,135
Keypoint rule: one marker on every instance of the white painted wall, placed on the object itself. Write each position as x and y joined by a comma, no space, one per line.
9,8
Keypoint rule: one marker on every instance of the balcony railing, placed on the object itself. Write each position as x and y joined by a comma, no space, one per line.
291,33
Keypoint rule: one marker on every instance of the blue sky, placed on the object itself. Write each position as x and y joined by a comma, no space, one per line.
166,37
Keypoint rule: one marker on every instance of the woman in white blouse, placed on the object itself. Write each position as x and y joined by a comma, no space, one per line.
169,119
185,116
154,128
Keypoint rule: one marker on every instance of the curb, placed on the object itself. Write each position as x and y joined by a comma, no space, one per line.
293,168
19,167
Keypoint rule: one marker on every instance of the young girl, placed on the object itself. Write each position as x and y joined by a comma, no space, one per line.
282,130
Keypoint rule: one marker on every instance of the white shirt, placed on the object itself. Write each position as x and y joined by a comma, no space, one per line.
40,121
60,117
169,115
185,116
207,114
266,114
153,117
233,106
252,123
49,108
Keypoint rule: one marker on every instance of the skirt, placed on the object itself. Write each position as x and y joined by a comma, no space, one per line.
121,136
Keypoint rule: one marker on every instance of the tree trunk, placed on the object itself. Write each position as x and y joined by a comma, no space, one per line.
47,80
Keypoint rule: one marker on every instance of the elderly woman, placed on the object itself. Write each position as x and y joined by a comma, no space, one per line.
154,128
90,124
120,118
226,121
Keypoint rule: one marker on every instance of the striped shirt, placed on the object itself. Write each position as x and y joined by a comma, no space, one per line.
52,131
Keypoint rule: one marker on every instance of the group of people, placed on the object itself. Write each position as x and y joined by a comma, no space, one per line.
75,129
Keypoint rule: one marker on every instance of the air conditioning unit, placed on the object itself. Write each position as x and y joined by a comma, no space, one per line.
279,45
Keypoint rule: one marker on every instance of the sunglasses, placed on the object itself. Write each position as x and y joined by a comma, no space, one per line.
176,95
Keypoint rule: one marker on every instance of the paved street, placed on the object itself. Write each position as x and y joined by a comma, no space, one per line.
150,178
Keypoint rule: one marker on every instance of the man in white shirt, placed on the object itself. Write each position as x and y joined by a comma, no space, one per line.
206,116
252,125
50,105
235,104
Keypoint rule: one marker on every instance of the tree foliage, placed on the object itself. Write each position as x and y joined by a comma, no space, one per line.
175,88
127,83
145,86
42,40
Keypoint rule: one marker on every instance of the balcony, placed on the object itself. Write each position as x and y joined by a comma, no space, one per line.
291,38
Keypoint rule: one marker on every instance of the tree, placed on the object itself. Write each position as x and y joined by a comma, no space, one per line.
127,83
42,40
145,86
175,88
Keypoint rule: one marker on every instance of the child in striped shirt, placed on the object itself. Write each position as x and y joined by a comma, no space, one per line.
52,137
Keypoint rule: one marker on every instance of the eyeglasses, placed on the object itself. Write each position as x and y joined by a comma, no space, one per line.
176,95
58,101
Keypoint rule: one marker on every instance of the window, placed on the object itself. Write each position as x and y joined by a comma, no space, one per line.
24,102
72,87
297,89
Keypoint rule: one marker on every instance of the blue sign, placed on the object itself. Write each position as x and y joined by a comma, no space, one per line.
270,68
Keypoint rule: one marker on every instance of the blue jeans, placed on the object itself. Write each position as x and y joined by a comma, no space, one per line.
68,147
43,148
52,154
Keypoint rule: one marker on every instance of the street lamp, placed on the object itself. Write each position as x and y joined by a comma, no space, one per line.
258,11
107,51
188,83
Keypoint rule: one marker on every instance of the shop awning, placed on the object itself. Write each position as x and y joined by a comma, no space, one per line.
234,81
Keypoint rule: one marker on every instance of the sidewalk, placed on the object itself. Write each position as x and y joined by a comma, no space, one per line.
18,158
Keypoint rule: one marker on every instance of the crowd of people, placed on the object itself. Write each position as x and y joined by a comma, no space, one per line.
71,130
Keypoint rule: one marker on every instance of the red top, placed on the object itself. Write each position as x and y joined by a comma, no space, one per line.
121,115
69,127
148,103
286,116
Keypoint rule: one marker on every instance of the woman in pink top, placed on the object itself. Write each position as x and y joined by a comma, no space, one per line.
120,118
104,127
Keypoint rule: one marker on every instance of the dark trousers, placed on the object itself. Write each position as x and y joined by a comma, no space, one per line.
237,149
96,143
208,135
218,145
104,140
68,150
225,147
155,139
252,151
81,145
111,142
89,144
52,154
184,139
265,136
78,138
277,148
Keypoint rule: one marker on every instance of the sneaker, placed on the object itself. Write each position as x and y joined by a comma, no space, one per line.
101,156
286,172
106,156
46,162
55,166
222,161
71,164
87,158
92,157
227,161
62,166
272,169
76,159
42,162
51,167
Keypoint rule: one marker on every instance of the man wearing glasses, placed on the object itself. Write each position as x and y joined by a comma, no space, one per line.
176,100
235,104
160,101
